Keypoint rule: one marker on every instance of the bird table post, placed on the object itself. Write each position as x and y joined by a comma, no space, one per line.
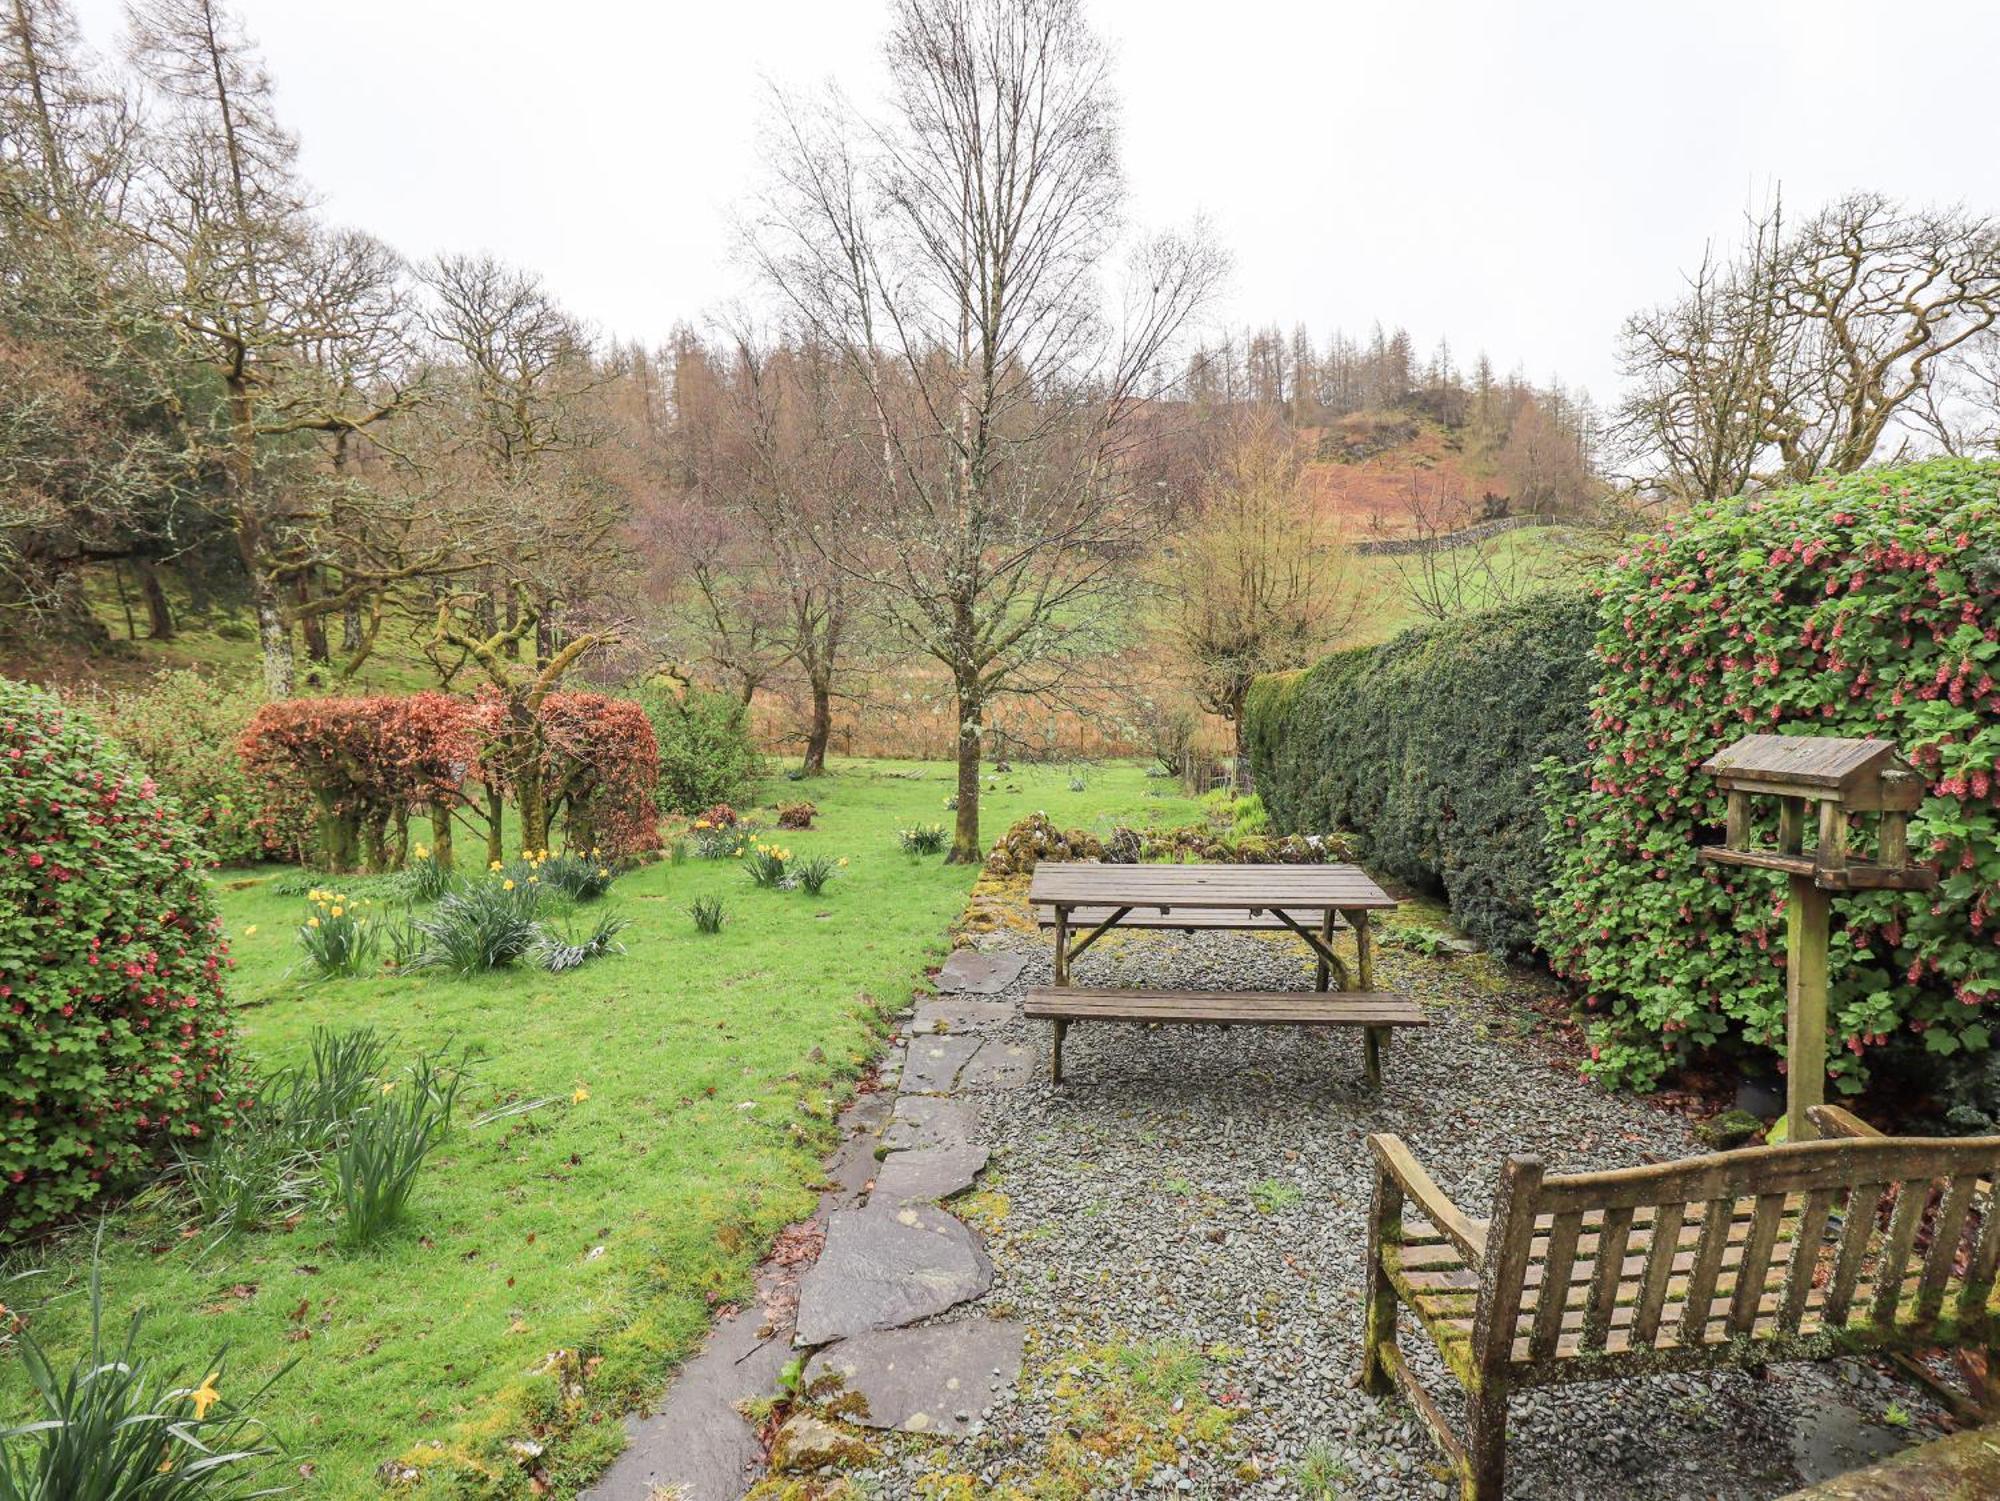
1820,784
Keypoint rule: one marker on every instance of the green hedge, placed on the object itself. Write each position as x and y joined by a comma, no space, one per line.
1863,606
1425,748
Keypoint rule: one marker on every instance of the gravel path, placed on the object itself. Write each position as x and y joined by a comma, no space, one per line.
1195,1189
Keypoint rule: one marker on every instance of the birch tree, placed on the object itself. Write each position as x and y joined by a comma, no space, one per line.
950,248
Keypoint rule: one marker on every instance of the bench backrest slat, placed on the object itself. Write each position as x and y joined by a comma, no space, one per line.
1858,1217
1978,1287
1755,1269
1870,1236
1803,1264
1609,1276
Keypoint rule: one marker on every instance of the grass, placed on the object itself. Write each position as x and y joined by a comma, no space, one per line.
666,1112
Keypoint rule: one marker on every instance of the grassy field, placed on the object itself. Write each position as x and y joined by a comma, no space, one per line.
691,1084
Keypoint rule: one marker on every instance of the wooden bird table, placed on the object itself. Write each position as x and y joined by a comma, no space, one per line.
1088,899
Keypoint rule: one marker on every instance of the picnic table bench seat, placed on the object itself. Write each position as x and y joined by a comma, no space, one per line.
1857,1245
1185,919
1374,1010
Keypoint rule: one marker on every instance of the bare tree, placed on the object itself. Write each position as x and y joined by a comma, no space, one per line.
1814,350
950,253
1258,580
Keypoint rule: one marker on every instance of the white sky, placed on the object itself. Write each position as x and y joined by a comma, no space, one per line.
1515,176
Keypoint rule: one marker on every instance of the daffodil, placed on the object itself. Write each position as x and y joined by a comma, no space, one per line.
312,922
580,1095
507,885
337,911
249,930
843,861
205,1396
494,866
388,1085
602,872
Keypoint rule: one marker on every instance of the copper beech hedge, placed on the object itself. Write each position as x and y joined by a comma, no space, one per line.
584,761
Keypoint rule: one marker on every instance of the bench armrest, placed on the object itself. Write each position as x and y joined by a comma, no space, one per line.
1833,1121
1422,1192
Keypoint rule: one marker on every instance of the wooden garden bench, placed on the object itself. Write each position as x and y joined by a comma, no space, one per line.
1840,1246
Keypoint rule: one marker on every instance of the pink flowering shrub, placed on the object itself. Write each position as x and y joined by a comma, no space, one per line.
1865,606
113,1028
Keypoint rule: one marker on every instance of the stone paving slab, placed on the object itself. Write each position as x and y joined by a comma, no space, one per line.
931,1121
928,1173
696,1445
933,1062
885,1267
999,1065
970,972
952,1014
937,1379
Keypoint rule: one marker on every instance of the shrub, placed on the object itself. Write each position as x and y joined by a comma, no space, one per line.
560,951
268,1166
708,913
428,873
706,754
600,771
1425,749
924,839
719,816
112,1017
1863,606
184,726
765,864
365,764
797,815
580,878
111,1426
375,1166
816,874
336,935
720,841
486,925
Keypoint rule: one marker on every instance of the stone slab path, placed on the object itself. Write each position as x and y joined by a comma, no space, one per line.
893,1257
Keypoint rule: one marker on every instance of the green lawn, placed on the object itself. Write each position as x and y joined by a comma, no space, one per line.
693,1079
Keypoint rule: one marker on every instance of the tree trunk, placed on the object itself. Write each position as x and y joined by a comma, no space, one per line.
820,731
441,834
965,848
311,627
496,810
350,627
276,637
159,614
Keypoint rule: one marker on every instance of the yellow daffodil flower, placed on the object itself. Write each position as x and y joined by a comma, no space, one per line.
494,866
507,885
602,872
205,1396
312,922
250,930
843,861
580,1095
338,910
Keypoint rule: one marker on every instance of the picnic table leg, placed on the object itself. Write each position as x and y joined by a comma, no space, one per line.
1321,971
1375,1039
1055,1058
1062,946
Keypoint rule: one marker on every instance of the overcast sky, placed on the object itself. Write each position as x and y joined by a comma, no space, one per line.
1515,176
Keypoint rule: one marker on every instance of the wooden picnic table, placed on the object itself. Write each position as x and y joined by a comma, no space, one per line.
1305,900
